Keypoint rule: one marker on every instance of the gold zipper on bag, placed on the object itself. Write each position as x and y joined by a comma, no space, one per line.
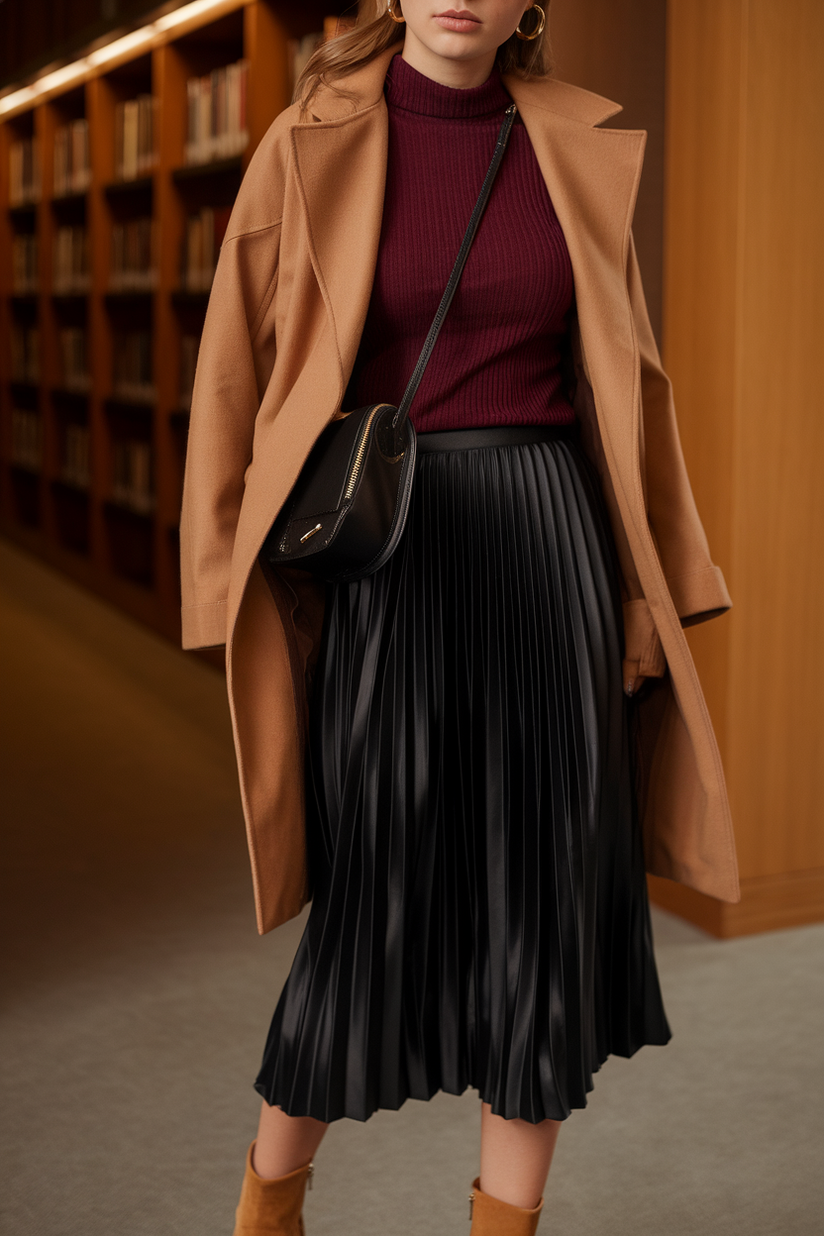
356,466
310,1175
471,1203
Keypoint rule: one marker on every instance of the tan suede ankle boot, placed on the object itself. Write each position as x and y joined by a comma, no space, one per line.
271,1207
491,1217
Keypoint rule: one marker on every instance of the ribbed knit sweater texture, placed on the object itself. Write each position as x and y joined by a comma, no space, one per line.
498,357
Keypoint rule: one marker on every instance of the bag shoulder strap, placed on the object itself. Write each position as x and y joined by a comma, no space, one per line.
457,269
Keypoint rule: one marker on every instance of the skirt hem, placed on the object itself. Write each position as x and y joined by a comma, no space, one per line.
445,1089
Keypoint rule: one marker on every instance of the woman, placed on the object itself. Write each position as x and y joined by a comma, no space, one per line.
452,756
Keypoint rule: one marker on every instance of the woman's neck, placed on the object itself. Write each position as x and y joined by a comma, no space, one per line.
460,74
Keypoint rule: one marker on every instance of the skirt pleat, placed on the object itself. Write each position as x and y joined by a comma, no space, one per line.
479,914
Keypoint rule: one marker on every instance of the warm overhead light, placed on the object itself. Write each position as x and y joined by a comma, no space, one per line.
17,99
59,77
122,46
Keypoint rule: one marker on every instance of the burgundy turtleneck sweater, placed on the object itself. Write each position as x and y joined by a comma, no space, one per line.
498,357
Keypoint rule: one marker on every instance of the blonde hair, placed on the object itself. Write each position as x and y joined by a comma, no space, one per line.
375,31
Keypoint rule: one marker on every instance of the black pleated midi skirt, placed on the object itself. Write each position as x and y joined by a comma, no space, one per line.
479,913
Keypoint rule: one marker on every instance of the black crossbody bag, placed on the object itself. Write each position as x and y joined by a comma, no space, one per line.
346,512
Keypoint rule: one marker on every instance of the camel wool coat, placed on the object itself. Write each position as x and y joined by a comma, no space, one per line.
281,334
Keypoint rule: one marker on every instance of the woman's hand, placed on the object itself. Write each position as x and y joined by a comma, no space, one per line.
633,685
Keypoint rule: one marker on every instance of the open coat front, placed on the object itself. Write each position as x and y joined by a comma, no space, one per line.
282,330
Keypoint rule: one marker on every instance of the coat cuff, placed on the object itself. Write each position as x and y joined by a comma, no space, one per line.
699,595
204,626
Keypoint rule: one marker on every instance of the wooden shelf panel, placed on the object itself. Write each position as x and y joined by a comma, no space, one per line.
142,186
205,171
23,214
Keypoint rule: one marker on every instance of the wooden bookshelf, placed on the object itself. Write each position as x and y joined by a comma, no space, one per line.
120,538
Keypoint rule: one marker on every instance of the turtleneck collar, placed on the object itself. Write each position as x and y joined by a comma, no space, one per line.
411,91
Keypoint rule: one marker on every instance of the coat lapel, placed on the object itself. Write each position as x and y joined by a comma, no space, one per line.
592,176
341,171
340,155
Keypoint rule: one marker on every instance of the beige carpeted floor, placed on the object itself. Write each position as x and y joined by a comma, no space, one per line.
137,995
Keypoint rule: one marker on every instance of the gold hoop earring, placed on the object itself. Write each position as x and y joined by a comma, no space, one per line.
390,11
536,8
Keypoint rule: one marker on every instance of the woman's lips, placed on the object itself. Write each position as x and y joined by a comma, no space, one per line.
459,20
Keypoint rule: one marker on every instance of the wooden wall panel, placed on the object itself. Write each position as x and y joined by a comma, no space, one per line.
701,282
776,753
744,324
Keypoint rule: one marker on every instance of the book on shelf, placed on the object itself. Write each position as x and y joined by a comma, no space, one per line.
132,475
133,248
74,359
134,129
216,114
25,353
26,439
132,376
24,172
25,259
201,245
189,345
71,261
75,467
72,163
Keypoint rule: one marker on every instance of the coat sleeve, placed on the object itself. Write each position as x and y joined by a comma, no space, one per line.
696,585
234,363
